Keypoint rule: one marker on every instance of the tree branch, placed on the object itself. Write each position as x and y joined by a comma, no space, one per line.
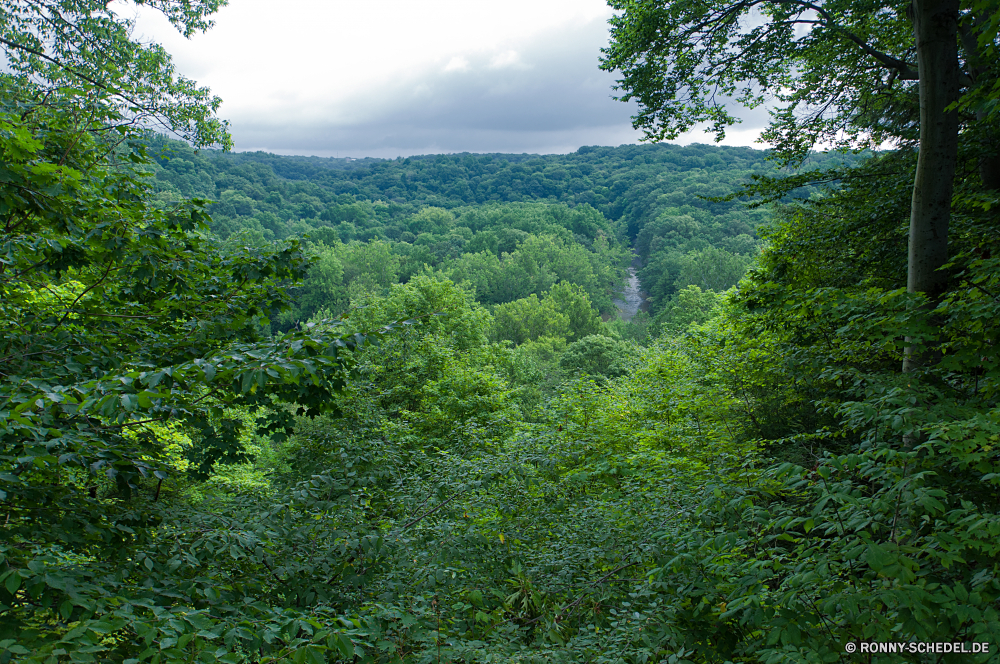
96,83
429,512
85,291
592,583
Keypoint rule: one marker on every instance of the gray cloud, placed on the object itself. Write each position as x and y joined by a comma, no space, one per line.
546,96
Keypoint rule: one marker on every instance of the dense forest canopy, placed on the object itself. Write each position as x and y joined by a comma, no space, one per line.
435,210
631,184
264,409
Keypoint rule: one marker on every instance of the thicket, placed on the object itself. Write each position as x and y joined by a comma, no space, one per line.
436,477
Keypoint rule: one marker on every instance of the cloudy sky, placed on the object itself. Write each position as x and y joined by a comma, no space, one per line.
387,78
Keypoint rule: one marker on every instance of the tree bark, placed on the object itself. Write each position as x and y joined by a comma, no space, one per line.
935,25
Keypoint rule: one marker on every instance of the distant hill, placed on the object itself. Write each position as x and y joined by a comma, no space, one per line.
630,182
652,195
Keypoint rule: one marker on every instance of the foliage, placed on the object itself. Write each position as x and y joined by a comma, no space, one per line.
712,268
691,306
86,49
597,356
629,184
504,477
339,275
571,299
847,77
399,368
741,489
471,405
639,190
125,321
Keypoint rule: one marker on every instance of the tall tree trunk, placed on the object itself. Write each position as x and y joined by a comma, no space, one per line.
935,24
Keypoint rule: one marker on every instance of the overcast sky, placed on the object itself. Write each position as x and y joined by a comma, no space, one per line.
387,78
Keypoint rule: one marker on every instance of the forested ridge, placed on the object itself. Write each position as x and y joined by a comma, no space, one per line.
665,200
263,409
631,181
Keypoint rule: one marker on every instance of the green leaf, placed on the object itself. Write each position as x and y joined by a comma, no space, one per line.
12,582
876,557
345,645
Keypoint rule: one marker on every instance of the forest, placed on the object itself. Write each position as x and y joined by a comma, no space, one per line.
663,200
260,408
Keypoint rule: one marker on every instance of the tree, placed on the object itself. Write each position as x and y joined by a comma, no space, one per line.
596,355
83,45
121,316
689,306
572,301
323,289
711,269
529,318
125,321
849,79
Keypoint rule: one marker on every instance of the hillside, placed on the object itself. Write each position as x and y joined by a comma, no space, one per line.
279,410
652,196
